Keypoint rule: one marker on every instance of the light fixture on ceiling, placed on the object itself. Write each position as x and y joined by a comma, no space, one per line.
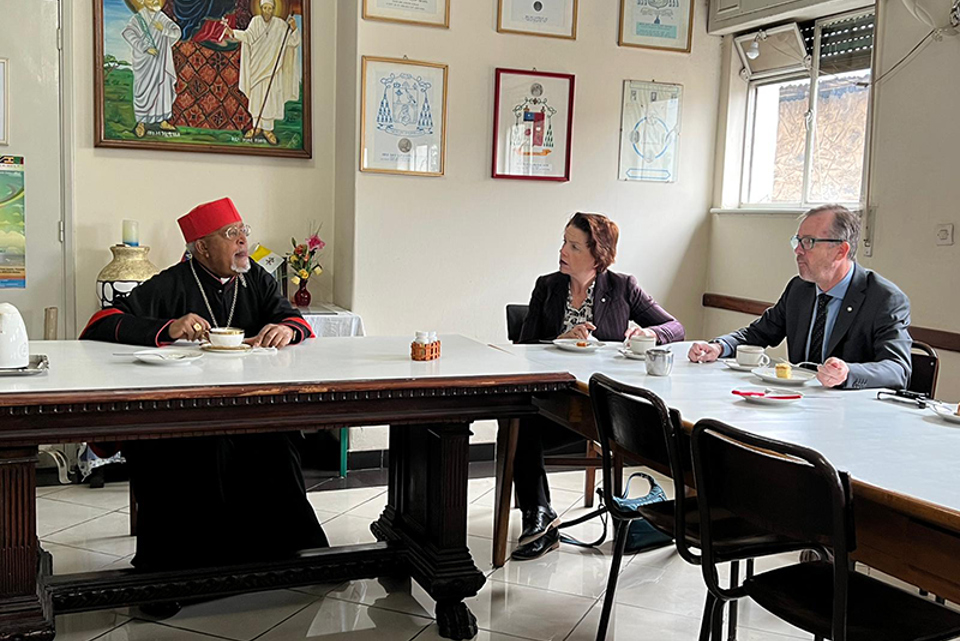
753,52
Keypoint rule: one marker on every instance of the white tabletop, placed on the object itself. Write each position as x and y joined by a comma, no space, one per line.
78,366
888,445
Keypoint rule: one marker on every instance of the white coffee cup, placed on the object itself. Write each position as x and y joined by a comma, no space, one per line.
226,336
14,346
640,344
752,355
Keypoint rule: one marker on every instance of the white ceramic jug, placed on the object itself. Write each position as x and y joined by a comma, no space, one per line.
14,347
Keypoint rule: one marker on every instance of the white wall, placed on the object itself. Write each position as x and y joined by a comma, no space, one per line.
448,253
916,152
279,198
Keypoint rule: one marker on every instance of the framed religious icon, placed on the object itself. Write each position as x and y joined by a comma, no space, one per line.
224,76
429,13
4,101
551,18
656,24
532,125
403,117
650,131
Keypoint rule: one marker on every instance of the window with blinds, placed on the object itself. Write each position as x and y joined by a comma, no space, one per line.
806,133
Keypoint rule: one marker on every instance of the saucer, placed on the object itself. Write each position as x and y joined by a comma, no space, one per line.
768,396
239,350
769,375
946,411
626,352
734,365
171,357
575,345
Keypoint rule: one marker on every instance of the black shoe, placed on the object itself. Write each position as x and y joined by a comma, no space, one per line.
537,522
549,540
161,610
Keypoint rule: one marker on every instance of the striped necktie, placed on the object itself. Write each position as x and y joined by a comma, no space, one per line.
815,353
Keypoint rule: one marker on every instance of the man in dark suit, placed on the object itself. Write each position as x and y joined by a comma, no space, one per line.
849,319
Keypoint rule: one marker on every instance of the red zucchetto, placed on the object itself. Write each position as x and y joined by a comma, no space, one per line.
207,218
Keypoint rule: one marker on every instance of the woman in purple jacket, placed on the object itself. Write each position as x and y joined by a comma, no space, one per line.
581,299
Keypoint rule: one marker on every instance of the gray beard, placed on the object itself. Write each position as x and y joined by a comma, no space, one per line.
236,268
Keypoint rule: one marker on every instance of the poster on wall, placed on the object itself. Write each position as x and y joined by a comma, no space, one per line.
13,241
532,125
429,13
4,101
650,131
551,18
223,76
656,24
403,117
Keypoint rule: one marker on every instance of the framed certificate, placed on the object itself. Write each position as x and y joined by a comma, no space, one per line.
532,125
550,18
403,117
429,13
650,131
656,24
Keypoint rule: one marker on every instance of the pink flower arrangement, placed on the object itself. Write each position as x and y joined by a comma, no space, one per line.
303,260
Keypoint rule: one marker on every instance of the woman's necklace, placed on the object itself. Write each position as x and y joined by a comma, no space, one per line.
233,306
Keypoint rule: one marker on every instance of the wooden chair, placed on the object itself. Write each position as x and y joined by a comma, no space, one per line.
926,369
796,493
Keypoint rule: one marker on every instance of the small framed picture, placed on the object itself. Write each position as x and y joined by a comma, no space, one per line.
532,125
403,117
429,13
650,131
666,24
550,18
4,102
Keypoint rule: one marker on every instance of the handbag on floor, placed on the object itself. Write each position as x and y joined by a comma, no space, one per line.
641,536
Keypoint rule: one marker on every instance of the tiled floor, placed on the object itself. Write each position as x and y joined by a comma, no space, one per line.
555,598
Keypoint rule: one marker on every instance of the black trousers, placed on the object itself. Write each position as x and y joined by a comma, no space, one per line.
537,435
220,500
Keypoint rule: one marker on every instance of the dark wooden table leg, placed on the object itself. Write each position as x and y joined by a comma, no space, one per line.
427,512
506,452
25,610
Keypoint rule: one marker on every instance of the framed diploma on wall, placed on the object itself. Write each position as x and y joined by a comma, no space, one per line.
403,117
429,13
550,18
656,24
650,131
532,125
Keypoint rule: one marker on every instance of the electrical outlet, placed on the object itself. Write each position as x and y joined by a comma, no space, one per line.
945,234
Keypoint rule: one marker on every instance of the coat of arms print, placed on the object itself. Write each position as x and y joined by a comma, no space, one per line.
403,116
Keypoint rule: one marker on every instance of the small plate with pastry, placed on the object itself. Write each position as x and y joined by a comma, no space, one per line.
784,374
577,344
946,411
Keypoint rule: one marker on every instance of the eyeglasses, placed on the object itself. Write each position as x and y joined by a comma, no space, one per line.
808,242
231,233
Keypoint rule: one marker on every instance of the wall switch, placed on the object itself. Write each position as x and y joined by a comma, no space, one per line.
945,234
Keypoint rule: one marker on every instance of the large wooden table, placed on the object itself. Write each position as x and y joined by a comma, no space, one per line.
89,394
903,460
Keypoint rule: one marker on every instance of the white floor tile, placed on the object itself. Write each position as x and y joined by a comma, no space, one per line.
663,583
241,617
477,488
148,631
371,509
348,530
341,501
112,496
398,595
87,625
334,620
47,490
67,560
527,612
109,534
628,624
53,516
579,574
433,634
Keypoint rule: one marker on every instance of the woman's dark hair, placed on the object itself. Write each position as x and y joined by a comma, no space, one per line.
602,236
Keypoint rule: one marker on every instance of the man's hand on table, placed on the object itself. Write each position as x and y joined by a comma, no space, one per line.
833,372
272,336
190,327
704,352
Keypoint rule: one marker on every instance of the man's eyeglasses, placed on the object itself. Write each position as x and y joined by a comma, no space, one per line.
231,233
808,242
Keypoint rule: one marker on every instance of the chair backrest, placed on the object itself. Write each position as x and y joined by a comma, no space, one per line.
516,314
778,487
926,369
636,423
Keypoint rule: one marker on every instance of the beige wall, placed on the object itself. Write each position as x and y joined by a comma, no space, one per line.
917,150
448,253
279,198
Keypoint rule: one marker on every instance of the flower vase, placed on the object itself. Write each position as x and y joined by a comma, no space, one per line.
302,296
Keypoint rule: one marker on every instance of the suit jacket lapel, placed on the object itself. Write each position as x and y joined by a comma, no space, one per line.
797,344
849,307
558,303
599,294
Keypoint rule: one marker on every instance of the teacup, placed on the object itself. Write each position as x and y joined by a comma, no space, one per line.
226,336
640,344
752,355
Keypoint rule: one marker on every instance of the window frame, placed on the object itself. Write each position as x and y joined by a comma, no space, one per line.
813,75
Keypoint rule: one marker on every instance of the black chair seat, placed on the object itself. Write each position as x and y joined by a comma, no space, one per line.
735,538
802,595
